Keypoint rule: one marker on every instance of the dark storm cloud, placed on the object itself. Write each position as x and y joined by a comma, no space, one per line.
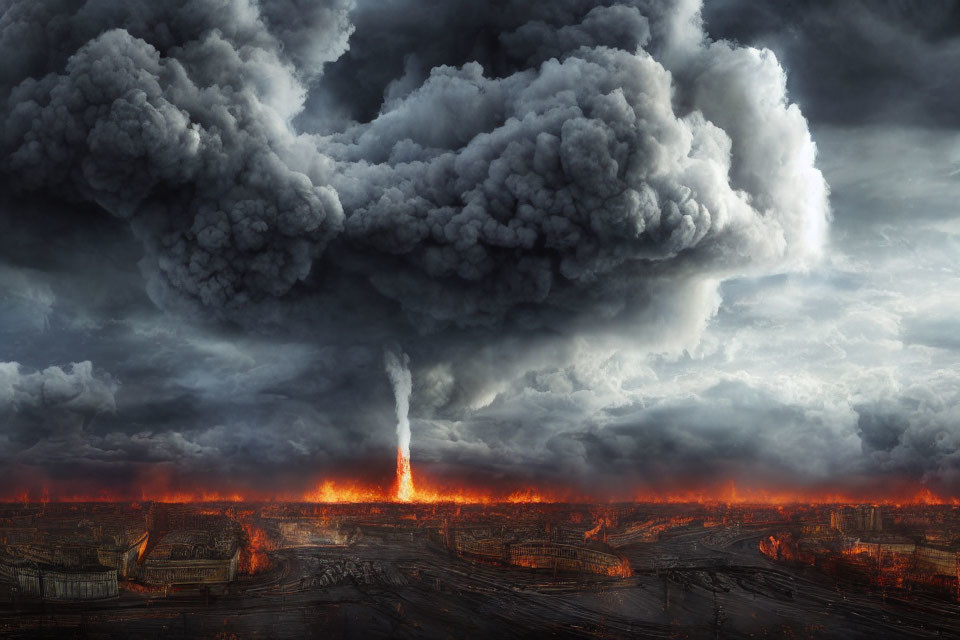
729,429
75,388
53,401
702,426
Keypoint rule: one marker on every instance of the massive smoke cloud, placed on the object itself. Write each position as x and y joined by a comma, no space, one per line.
482,183
174,119
587,178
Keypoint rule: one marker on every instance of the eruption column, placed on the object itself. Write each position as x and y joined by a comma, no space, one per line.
397,368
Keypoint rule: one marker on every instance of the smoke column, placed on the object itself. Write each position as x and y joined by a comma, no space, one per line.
397,368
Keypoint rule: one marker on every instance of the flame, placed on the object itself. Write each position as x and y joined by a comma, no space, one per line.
781,547
158,485
592,533
254,559
405,491
423,493
925,496
142,550
329,491
526,496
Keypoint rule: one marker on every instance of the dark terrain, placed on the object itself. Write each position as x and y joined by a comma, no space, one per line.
401,581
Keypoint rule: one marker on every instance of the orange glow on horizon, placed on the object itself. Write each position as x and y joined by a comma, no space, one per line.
426,492
778,497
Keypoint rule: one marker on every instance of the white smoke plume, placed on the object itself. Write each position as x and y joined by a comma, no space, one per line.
398,368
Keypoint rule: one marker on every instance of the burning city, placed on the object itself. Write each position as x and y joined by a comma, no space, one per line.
417,558
409,562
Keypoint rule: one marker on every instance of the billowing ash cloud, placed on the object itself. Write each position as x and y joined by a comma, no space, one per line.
173,115
570,186
556,169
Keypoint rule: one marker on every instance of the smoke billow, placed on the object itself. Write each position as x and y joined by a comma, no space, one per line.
173,116
551,162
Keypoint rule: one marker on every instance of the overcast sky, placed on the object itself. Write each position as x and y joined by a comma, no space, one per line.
625,245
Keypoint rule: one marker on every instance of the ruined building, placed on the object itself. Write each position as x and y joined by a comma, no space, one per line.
68,584
193,557
519,551
862,518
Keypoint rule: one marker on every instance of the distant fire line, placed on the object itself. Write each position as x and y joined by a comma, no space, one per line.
333,492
